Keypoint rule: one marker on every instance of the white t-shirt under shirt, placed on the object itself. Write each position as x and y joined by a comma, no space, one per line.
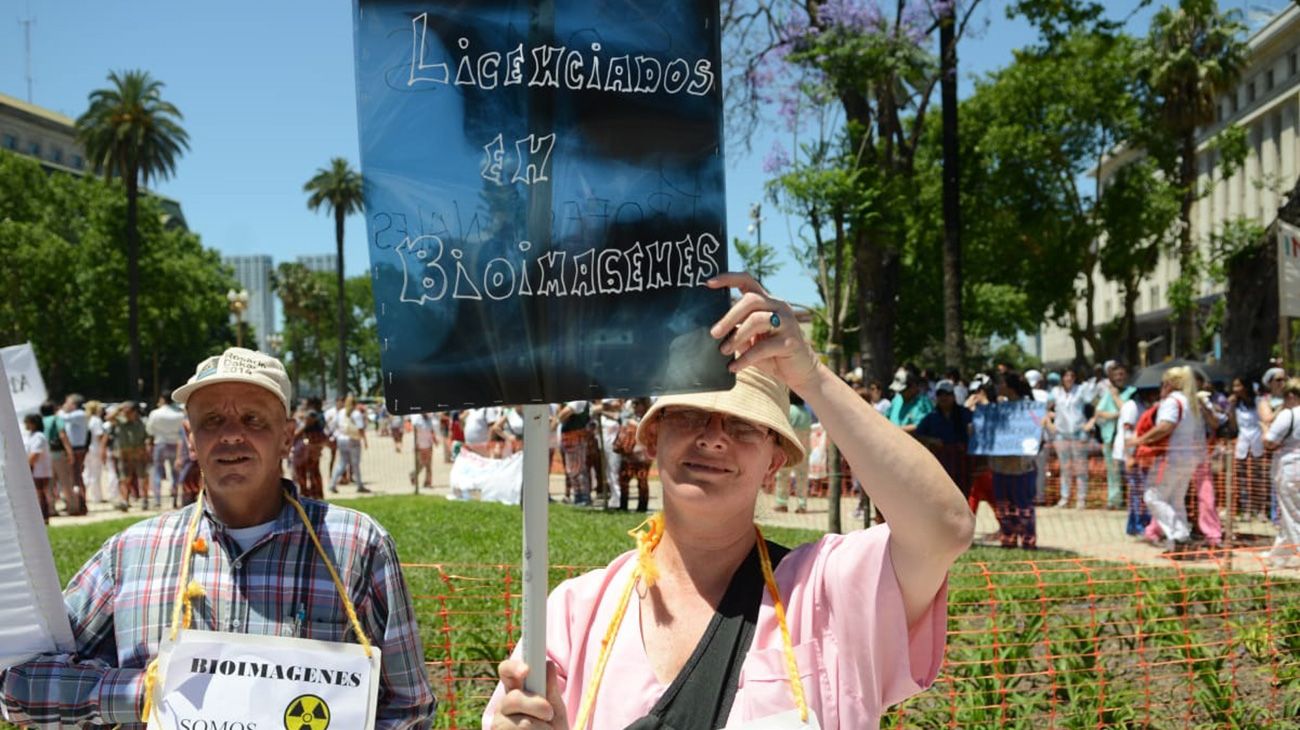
247,537
1286,431
36,443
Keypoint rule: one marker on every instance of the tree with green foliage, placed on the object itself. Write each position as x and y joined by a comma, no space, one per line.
65,261
1193,54
131,133
869,64
757,258
305,298
338,189
1137,210
1035,137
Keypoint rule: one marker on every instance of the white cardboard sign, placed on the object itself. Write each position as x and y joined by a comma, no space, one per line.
33,619
242,680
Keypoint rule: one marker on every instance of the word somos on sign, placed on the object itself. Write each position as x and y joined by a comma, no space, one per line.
560,67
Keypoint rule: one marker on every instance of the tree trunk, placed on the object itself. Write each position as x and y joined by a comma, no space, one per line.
133,286
341,378
1186,325
834,493
954,339
1130,324
877,270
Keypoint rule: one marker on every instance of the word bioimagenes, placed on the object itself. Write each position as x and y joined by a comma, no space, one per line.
432,273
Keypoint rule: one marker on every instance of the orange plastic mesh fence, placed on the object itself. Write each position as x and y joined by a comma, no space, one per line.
1066,643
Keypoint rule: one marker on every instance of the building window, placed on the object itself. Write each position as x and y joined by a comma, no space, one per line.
1268,80
34,149
56,155
1250,93
77,162
11,142
1291,63
1155,296
1234,103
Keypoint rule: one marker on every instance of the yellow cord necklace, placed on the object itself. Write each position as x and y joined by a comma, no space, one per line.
647,540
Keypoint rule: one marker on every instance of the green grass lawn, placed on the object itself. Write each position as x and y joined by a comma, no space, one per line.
1042,639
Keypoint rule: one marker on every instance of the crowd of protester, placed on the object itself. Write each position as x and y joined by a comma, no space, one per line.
1153,445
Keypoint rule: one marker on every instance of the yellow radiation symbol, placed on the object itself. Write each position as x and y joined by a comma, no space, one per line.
307,712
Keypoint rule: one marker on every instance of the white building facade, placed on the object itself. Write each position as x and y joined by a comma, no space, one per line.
1266,103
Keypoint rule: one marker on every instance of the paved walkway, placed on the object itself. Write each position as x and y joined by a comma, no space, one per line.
1063,532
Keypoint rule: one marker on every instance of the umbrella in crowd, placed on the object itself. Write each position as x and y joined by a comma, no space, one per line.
1151,375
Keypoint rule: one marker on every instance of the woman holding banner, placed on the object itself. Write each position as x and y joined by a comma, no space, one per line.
707,624
1015,480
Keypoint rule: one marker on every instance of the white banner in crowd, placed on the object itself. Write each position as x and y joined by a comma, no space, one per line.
26,386
33,619
1288,270
474,476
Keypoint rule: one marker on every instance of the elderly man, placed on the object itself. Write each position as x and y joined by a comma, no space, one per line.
252,560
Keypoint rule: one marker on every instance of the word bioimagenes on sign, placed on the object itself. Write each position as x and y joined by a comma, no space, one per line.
544,197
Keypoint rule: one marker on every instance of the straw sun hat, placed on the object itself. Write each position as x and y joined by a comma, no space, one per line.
757,397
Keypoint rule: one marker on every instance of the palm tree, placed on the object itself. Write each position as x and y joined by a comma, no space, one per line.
338,188
129,132
1194,54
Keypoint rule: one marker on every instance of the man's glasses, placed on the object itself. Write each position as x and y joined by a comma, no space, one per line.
694,420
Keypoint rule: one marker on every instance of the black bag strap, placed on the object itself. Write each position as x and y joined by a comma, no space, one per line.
701,696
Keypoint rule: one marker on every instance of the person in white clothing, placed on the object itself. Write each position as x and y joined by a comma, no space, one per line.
92,473
478,426
425,428
1125,452
609,418
1070,429
350,438
38,458
1249,463
1180,429
164,426
1035,380
1283,440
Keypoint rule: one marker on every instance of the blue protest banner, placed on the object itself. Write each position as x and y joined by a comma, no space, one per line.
544,196
1013,428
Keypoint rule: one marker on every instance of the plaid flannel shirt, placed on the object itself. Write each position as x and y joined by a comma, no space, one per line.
120,605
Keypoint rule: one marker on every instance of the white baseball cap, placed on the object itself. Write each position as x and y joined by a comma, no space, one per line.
1033,377
240,365
1270,375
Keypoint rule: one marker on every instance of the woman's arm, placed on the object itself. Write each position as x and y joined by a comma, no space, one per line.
930,522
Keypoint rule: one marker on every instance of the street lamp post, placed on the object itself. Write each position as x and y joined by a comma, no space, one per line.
238,301
756,222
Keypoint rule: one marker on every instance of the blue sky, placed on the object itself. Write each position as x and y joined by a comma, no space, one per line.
268,94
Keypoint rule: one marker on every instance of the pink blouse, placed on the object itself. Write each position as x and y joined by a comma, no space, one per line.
855,654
